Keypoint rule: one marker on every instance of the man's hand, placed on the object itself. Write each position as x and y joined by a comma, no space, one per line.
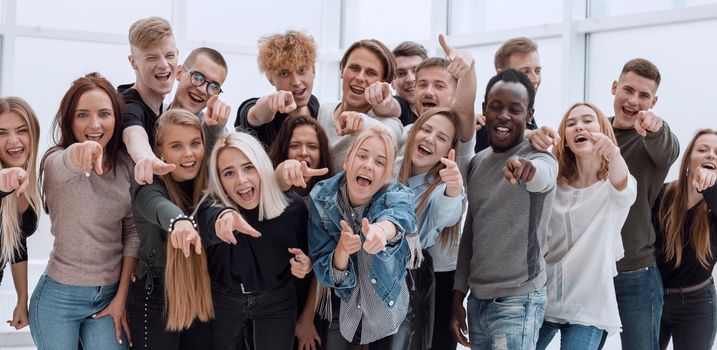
217,112
544,137
146,168
461,62
349,123
378,94
518,168
229,221
459,328
480,122
281,102
647,121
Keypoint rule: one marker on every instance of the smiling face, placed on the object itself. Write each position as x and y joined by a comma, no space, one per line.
194,98
432,142
405,81
704,154
366,171
580,121
633,93
362,69
299,82
304,146
435,87
239,178
528,64
155,66
94,118
182,146
15,140
506,111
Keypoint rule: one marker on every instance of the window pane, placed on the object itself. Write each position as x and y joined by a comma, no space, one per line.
243,23
603,8
389,21
548,108
470,16
89,15
687,81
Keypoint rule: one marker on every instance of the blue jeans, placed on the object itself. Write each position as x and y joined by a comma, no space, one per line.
506,323
61,316
639,298
572,336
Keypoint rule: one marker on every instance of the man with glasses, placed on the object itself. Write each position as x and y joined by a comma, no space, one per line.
200,80
288,60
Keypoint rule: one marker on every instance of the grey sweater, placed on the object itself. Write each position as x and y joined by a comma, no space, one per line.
500,252
91,220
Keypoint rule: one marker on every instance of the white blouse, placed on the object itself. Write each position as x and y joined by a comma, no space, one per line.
583,244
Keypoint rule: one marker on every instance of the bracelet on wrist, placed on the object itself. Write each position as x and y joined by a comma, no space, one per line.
181,217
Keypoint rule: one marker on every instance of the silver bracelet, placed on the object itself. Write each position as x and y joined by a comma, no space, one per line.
181,217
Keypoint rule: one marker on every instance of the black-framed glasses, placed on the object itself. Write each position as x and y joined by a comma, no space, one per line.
198,79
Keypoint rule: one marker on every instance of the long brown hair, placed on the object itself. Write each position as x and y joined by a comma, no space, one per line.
10,225
279,151
673,214
187,291
449,235
567,165
62,134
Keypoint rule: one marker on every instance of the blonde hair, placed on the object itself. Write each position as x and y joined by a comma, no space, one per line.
567,165
383,136
272,201
11,235
449,235
187,288
673,214
147,32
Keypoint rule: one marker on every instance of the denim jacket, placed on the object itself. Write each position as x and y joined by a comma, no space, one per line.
394,203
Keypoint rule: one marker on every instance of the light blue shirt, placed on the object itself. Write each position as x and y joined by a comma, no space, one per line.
441,211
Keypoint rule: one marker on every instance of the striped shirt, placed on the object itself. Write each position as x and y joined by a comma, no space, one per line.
380,320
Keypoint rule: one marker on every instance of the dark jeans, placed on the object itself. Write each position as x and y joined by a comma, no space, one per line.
442,336
335,341
145,310
689,319
639,299
273,316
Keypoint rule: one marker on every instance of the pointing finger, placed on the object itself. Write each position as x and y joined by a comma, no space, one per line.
444,45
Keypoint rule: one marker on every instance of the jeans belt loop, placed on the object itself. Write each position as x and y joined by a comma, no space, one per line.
681,290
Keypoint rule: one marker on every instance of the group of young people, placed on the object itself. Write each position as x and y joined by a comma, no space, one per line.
363,223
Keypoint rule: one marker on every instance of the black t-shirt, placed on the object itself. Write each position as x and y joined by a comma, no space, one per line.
483,140
261,264
28,226
267,133
690,272
138,113
407,116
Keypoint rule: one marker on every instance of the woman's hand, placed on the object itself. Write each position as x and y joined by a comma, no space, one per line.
300,263
184,235
13,179
19,316
229,221
116,310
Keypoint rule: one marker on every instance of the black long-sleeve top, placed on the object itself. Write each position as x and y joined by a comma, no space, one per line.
690,272
261,264
28,226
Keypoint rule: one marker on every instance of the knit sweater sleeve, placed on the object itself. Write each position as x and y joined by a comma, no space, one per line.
154,205
662,146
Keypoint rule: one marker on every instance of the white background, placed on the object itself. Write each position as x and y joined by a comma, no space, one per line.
46,44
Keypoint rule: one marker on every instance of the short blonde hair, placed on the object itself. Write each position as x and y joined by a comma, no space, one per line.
272,201
383,136
147,32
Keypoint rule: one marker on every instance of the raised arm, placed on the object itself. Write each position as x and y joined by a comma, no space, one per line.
462,67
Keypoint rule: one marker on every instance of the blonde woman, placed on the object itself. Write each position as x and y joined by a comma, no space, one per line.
19,133
170,300
255,238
